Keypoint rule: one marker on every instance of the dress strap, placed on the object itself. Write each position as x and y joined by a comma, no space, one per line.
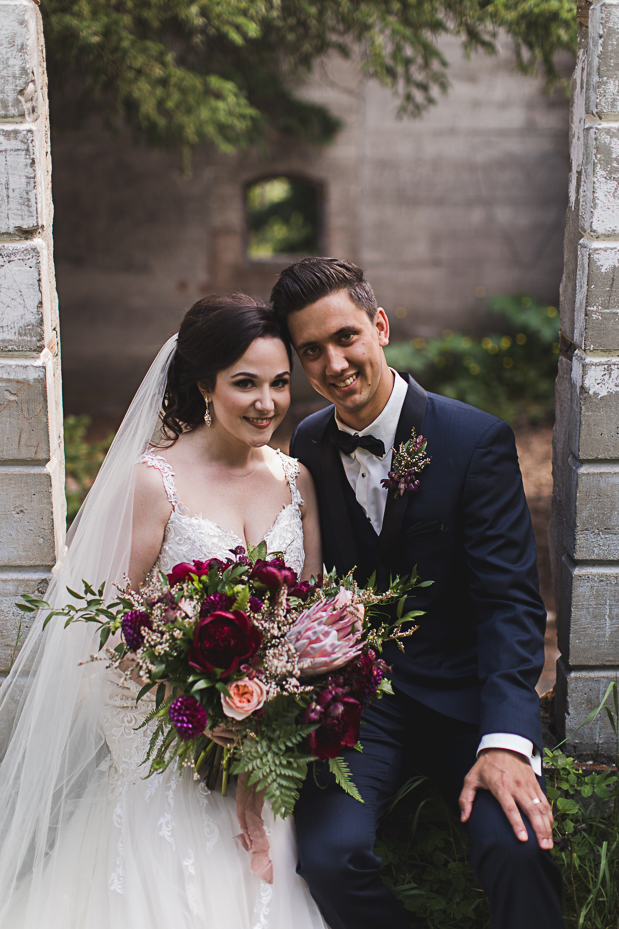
291,470
167,474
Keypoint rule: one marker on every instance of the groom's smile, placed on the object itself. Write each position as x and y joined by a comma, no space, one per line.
347,382
341,350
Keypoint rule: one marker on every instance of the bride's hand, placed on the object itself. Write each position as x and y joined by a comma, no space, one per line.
226,736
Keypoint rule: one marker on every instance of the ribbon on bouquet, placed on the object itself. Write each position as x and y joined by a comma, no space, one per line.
253,838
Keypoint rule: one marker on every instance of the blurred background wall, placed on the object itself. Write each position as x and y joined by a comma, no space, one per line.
442,212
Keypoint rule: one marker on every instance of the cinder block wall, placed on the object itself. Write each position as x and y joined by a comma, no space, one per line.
585,521
32,504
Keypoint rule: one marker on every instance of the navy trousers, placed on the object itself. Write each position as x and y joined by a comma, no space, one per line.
336,834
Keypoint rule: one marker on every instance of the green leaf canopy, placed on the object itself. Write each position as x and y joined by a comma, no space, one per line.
181,71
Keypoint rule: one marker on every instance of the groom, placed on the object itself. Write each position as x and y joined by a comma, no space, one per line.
465,711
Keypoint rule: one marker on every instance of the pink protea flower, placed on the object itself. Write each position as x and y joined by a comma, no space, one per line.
326,636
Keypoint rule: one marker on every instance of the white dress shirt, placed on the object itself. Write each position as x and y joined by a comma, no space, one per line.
364,472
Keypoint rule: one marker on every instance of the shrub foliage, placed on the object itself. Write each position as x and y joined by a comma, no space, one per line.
179,71
510,371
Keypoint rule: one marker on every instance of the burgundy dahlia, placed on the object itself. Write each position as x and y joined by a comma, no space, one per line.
215,602
132,625
188,716
223,640
339,719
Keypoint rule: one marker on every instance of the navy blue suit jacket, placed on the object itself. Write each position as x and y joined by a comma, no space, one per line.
479,650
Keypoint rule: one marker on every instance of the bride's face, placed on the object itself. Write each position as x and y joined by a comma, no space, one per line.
252,396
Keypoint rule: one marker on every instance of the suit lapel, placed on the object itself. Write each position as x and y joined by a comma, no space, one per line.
333,474
412,416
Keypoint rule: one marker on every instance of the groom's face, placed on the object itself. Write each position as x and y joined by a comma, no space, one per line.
341,350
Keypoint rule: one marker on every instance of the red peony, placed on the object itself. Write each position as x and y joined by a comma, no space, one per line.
223,640
339,719
273,573
183,571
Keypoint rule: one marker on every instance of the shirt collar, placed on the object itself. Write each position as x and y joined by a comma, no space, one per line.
386,423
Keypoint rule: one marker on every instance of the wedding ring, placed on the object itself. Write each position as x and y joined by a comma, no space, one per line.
537,800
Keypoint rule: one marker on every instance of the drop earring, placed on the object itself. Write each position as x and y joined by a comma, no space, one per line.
207,414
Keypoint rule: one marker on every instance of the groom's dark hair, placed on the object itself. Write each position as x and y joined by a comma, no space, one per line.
310,279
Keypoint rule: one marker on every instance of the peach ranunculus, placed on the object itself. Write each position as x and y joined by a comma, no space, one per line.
246,696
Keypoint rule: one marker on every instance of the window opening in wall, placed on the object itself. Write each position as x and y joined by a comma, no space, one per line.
283,218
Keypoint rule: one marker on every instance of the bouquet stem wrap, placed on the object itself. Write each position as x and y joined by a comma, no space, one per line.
253,838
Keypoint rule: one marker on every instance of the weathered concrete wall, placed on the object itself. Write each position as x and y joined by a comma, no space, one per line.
585,522
32,505
468,201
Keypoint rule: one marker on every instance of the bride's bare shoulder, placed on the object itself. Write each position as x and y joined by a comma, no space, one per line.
154,481
305,483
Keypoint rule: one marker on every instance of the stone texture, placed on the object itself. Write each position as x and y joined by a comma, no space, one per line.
22,326
580,693
597,299
592,592
19,208
32,503
26,517
603,80
14,625
23,412
18,94
592,513
595,380
585,513
599,203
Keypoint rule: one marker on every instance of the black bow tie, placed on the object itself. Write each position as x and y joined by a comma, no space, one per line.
347,443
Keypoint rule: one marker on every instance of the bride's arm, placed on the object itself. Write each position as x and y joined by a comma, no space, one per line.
311,525
151,511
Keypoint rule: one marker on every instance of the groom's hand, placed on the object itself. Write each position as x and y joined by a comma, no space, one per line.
510,778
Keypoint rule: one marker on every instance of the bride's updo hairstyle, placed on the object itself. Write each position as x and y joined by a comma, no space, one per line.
214,333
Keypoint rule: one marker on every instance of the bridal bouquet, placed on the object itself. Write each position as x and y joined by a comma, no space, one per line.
286,667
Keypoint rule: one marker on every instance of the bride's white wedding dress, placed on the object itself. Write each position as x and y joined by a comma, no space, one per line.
160,853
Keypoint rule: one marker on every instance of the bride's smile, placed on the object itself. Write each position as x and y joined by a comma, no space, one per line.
252,396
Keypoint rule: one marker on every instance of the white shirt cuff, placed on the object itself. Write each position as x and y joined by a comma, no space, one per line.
513,743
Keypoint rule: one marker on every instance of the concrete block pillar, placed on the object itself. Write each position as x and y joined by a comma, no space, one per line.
585,518
32,502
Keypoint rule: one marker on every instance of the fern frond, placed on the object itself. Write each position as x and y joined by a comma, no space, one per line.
340,770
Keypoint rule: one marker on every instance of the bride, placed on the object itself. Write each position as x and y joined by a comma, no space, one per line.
85,841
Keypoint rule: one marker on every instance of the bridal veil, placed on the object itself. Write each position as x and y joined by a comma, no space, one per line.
53,693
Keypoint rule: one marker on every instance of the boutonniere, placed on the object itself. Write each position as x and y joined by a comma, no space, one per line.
407,462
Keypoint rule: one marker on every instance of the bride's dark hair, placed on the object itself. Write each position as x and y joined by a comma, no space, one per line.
214,333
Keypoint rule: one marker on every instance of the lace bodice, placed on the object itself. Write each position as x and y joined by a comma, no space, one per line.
193,537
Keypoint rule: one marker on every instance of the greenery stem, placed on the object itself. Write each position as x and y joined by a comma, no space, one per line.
202,758
226,771
212,779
